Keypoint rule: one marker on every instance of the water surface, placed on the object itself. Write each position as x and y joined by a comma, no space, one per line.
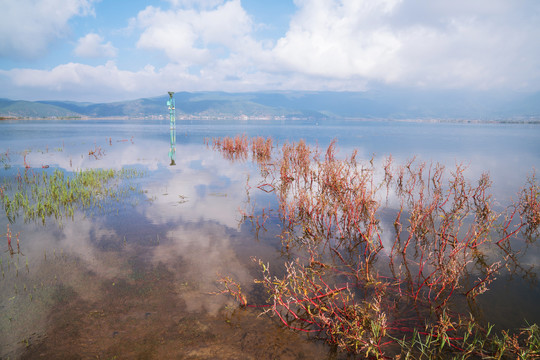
136,278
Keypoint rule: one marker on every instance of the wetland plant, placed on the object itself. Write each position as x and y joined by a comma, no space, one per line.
97,152
38,196
373,289
261,149
232,148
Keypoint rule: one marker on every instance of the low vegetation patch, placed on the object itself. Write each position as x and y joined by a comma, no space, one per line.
37,196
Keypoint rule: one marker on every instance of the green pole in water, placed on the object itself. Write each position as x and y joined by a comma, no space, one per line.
170,105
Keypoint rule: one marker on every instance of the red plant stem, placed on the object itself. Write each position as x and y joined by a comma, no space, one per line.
8,235
292,327
479,283
509,235
320,296
26,165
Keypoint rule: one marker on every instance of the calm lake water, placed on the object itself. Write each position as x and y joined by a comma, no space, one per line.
135,278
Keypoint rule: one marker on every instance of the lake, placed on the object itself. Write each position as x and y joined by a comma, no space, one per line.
135,275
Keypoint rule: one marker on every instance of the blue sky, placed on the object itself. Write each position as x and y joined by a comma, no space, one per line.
108,50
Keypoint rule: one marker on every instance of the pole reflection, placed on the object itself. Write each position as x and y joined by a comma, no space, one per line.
172,151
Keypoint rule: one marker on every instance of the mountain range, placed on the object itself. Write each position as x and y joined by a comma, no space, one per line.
377,104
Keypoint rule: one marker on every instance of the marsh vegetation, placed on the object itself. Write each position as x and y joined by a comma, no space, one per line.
35,195
408,290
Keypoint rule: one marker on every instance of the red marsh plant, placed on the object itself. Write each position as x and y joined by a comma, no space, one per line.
365,296
232,148
9,238
97,152
261,149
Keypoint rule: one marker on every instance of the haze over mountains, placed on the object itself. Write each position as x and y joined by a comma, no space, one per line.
387,104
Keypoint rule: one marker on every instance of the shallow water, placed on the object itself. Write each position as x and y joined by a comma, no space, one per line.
135,278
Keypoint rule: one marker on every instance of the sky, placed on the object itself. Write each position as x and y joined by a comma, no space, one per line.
110,50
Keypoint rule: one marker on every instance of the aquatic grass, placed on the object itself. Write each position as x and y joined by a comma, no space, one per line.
466,339
4,159
39,196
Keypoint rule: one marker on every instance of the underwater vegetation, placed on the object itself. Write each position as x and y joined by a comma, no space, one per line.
387,257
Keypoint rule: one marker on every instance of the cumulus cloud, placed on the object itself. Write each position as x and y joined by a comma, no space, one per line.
108,82
92,46
27,27
75,74
192,36
481,44
81,81
334,39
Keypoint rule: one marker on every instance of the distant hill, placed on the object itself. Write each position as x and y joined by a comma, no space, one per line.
30,109
378,104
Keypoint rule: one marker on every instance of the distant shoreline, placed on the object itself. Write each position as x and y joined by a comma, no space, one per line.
535,121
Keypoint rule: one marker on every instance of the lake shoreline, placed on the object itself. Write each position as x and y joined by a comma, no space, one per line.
533,121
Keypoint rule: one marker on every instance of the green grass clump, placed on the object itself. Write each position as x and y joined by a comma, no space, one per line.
466,339
38,196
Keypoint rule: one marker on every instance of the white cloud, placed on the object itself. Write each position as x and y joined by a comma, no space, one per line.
439,44
27,27
195,37
74,74
92,46
202,4
334,39
104,83
79,81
